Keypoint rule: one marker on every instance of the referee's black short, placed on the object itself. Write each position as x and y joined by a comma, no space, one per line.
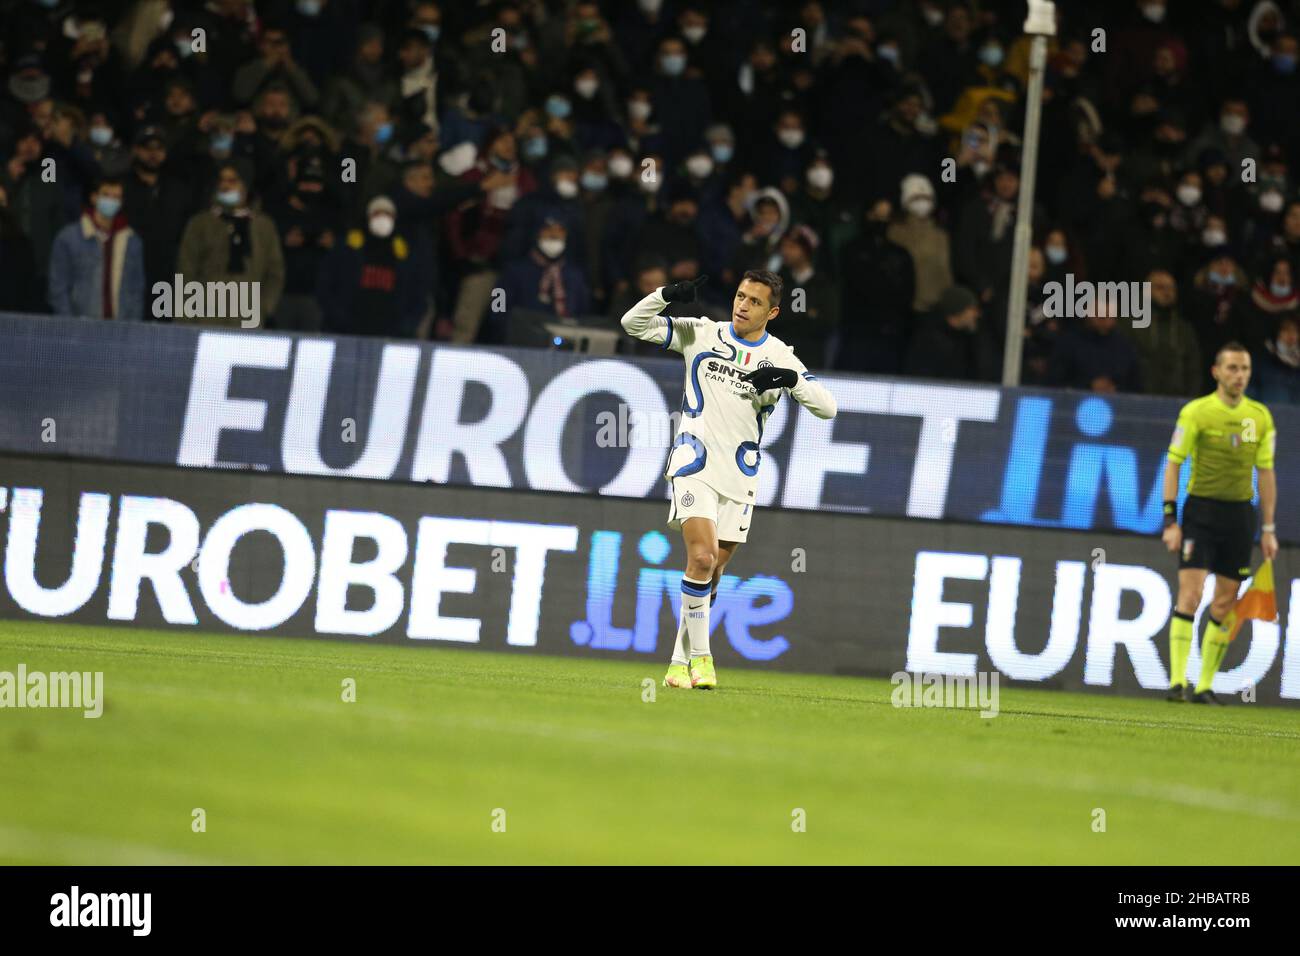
1218,536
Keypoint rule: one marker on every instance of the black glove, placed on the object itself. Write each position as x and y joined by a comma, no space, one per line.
764,378
684,291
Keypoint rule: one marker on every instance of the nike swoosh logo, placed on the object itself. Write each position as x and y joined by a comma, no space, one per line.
696,607
746,528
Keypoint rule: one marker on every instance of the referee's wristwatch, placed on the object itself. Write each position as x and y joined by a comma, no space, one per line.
1171,513
1269,529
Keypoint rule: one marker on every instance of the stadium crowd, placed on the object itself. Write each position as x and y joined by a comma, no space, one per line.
408,167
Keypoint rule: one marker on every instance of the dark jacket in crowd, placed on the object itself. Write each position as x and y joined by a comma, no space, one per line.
1082,355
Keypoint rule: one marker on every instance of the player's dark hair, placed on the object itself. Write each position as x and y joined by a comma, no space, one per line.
769,279
1233,346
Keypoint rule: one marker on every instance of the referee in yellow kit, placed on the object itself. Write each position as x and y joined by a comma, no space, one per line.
1227,435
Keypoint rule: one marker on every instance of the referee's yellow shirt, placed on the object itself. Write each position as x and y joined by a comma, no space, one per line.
1225,444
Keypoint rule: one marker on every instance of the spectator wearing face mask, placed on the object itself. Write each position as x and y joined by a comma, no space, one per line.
371,145
156,204
699,172
557,200
1227,134
543,279
476,228
1168,349
788,153
1219,303
232,242
1274,87
106,146
97,263
1061,257
1276,376
593,110
1187,214
368,284
925,241
819,205
1273,295
680,95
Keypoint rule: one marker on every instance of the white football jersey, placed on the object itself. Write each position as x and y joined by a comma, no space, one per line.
722,420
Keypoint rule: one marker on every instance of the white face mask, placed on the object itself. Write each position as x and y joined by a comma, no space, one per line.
1232,124
620,167
790,138
567,188
503,197
821,177
1155,12
639,109
921,206
586,88
933,15
459,158
694,35
699,166
1271,201
382,225
1189,195
1214,237
551,248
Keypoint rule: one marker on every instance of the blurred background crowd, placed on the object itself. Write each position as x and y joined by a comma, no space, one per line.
414,168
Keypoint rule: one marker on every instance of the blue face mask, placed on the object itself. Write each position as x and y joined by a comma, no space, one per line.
888,53
309,8
991,55
1055,255
594,182
502,164
535,147
101,135
384,134
1284,63
228,197
1219,278
184,48
108,206
673,64
722,152
432,31
223,142
558,107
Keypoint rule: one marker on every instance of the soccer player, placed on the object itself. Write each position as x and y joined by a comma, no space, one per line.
736,372
1227,435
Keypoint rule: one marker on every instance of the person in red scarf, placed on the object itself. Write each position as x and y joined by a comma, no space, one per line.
97,262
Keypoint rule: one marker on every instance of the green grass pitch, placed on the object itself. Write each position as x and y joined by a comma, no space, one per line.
254,731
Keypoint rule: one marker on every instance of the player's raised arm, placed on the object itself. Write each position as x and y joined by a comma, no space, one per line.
644,322
810,393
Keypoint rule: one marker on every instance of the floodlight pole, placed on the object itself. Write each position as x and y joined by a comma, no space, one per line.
1041,23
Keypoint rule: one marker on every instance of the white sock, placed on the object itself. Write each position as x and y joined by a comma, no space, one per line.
695,609
679,650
